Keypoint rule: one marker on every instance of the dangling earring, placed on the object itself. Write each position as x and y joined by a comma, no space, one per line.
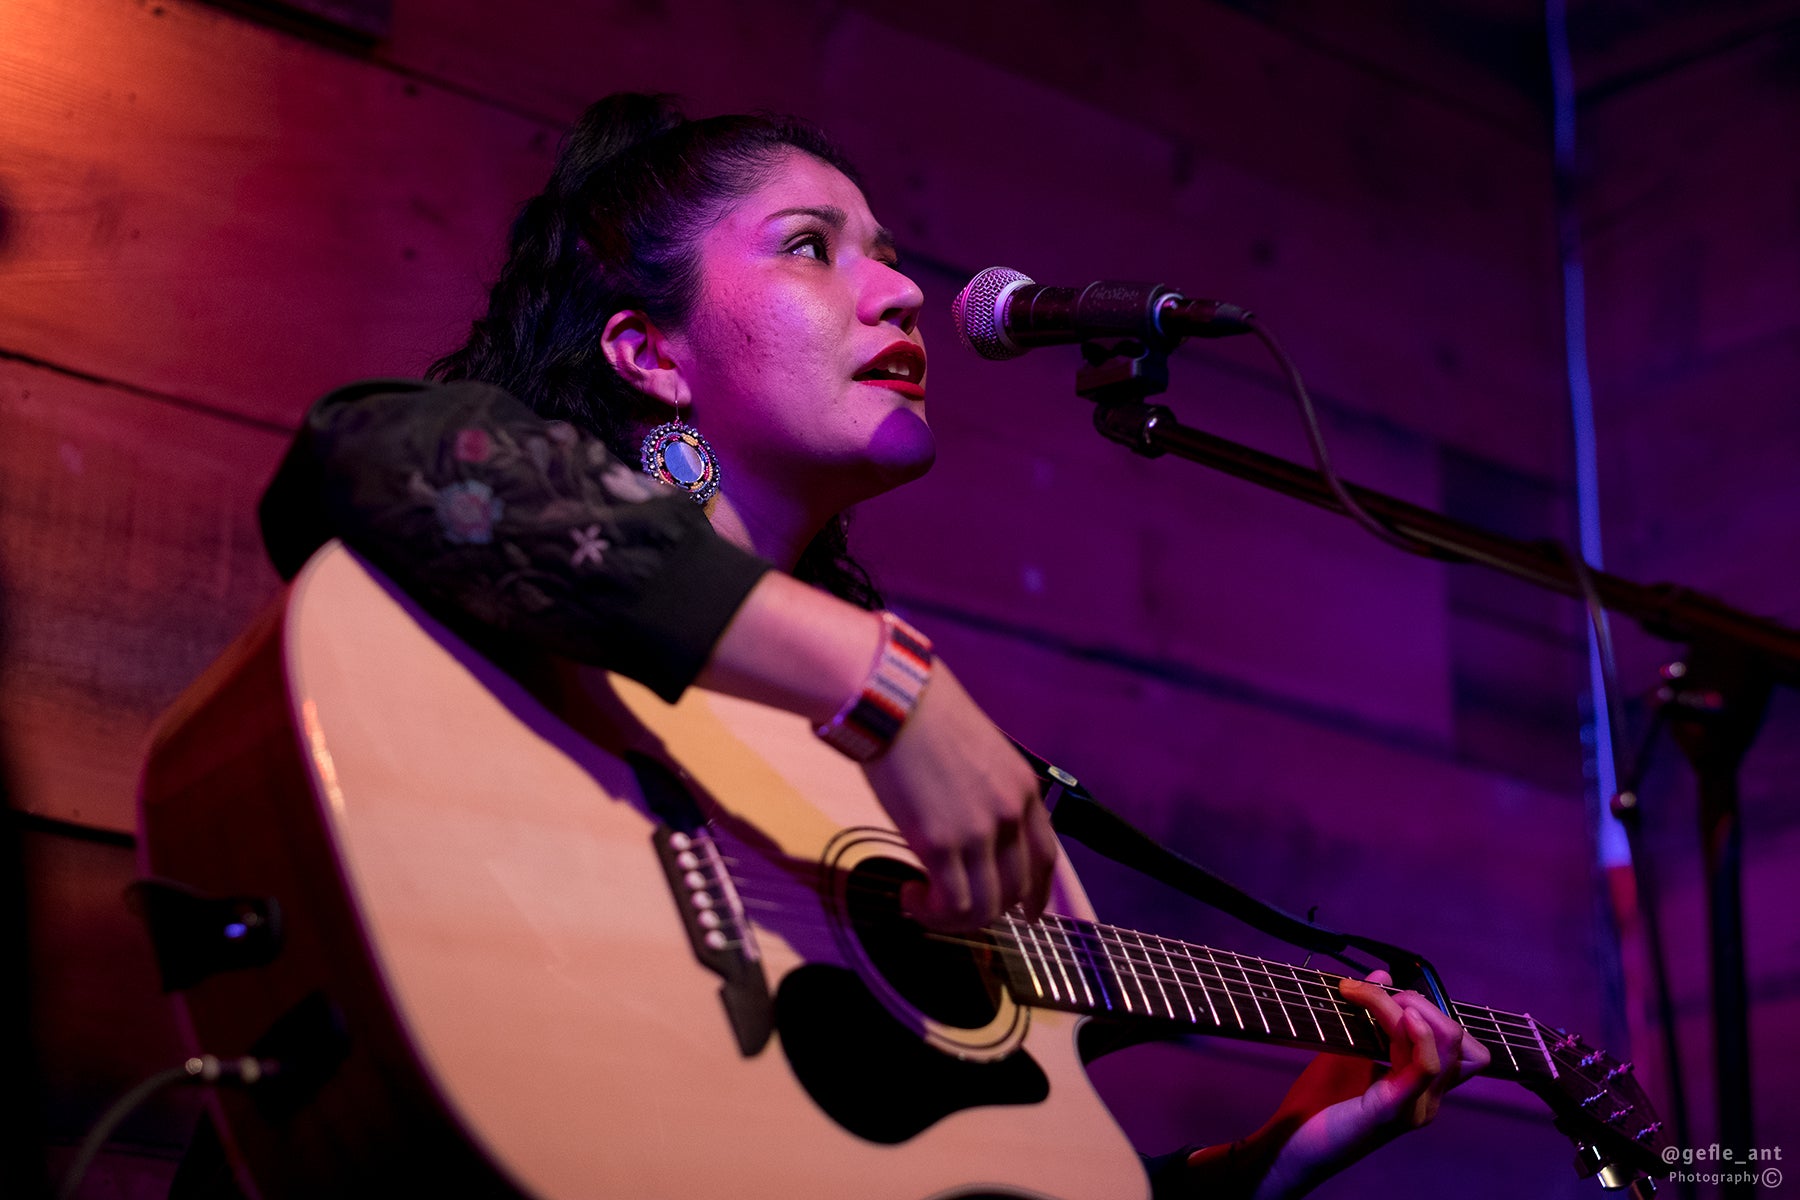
676,454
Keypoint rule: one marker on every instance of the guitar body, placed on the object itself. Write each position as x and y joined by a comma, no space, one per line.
493,973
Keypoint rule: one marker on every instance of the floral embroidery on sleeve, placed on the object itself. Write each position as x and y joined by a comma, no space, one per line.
589,546
473,445
526,530
467,511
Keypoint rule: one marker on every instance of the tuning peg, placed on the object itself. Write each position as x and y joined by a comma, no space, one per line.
1624,1068
1588,1159
1588,1060
1647,1132
1619,1114
1567,1042
1594,1099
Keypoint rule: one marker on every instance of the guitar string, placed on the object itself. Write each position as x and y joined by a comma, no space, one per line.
1137,967
1218,980
1473,1017
1221,984
1095,933
1092,932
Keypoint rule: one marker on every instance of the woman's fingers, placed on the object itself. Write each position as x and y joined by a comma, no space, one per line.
1038,841
968,805
1429,1053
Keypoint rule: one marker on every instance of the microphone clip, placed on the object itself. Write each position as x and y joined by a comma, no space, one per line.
1118,376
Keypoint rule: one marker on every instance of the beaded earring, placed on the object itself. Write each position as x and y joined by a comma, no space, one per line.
676,454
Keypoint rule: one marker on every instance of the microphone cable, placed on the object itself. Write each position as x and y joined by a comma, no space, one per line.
1315,438
200,1069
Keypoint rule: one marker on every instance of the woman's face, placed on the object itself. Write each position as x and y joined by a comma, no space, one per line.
803,353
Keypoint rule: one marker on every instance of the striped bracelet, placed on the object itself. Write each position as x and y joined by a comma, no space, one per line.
868,724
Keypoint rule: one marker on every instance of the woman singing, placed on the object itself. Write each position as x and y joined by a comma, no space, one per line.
714,300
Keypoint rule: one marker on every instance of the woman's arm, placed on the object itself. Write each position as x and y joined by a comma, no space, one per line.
1339,1109
514,528
963,798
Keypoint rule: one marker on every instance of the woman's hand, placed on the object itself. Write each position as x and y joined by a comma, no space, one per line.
968,805
963,798
1342,1108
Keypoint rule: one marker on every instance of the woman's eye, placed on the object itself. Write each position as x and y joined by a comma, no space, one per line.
811,245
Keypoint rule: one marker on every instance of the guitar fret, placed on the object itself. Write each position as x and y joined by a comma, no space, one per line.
1472,1019
1121,982
1200,982
1254,998
1043,961
1081,945
1087,967
1075,957
1155,975
1175,978
1286,1006
1335,999
1225,987
1025,955
1135,977
1312,1012
1062,965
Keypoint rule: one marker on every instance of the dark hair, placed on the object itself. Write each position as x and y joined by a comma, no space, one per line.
617,226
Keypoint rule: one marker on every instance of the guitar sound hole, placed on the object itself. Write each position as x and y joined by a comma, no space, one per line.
948,977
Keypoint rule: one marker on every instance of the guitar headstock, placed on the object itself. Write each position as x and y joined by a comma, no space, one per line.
1599,1103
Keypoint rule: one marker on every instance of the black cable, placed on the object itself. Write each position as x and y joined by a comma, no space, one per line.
1625,802
202,1068
1609,667
1322,457
1629,765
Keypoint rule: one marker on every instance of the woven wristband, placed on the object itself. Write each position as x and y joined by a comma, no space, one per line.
866,726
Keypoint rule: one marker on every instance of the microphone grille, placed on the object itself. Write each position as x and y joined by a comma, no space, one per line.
978,308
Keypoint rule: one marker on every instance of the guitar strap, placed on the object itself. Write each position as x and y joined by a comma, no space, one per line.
1076,814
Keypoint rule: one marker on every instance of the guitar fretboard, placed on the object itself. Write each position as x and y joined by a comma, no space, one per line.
1105,970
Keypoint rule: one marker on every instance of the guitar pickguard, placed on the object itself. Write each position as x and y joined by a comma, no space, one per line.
874,1076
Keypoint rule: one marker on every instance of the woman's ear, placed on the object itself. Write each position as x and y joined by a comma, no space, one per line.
642,356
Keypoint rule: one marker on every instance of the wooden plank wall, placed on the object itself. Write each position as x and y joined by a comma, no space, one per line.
1691,221
204,223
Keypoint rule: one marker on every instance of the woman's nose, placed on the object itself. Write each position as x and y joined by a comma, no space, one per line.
892,296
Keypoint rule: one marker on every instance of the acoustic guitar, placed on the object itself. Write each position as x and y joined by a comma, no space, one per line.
603,946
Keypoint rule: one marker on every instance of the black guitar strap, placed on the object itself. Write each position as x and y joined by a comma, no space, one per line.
1076,814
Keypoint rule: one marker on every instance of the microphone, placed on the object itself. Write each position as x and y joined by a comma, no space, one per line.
1002,314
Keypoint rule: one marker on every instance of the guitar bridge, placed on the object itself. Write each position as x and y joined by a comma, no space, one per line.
708,901
718,930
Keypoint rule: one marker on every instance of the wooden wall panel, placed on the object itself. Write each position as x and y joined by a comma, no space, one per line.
1483,56
1383,836
205,223
1690,225
552,59
98,1013
1080,541
132,557
1361,251
1384,839
1618,46
202,207
1694,251
1190,143
1701,473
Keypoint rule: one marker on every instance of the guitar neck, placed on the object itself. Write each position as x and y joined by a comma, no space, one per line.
1121,974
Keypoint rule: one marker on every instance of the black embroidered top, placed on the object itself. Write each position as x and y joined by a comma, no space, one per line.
502,522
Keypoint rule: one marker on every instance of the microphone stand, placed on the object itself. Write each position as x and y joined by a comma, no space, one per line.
1715,707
